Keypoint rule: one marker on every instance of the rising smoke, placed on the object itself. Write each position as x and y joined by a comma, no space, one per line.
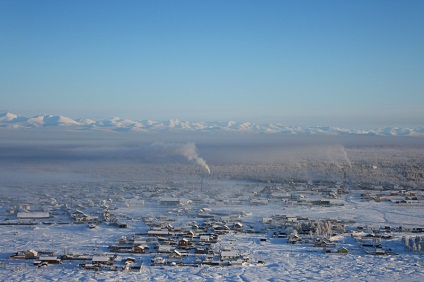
187,150
338,156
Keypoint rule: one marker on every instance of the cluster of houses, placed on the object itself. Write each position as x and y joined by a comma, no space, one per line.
83,203
79,216
331,234
302,230
199,241
401,196
40,258
195,244
89,262
163,244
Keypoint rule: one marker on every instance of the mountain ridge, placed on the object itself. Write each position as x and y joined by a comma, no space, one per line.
11,120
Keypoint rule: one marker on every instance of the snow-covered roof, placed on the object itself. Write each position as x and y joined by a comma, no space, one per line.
47,258
100,258
33,215
229,254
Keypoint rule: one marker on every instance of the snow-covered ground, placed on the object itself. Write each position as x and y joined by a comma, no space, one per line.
281,261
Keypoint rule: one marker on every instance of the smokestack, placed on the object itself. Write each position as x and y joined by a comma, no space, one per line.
201,185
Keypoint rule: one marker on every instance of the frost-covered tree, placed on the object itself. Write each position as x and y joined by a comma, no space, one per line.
407,246
414,247
411,244
319,228
329,227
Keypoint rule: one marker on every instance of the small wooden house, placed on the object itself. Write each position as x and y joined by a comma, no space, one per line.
139,249
30,254
342,250
183,242
100,259
50,260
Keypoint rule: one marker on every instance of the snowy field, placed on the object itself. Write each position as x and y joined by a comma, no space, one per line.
281,261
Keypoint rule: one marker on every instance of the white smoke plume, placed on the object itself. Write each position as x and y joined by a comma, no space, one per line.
338,156
187,150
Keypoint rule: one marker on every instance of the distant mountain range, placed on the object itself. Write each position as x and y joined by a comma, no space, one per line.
10,120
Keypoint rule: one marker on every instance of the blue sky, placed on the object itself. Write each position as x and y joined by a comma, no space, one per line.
340,63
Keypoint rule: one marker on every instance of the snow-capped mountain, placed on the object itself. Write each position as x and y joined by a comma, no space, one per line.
7,117
10,120
49,120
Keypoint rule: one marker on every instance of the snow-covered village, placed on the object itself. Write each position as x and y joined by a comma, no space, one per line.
209,228
209,141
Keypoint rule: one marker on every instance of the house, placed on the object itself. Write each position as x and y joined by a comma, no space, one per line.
164,249
75,213
30,254
377,252
158,260
82,218
190,234
342,250
26,207
97,259
321,203
32,215
237,262
320,244
204,238
121,248
139,249
183,242
200,250
266,220
258,202
50,260
158,233
291,219
293,239
139,242
134,203
225,255
170,201
176,254
130,259
238,226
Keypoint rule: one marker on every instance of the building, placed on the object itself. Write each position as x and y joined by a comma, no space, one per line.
170,201
30,254
32,215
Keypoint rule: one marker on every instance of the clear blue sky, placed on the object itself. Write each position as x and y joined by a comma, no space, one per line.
344,63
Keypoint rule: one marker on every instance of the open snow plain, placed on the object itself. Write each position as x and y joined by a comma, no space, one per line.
99,218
